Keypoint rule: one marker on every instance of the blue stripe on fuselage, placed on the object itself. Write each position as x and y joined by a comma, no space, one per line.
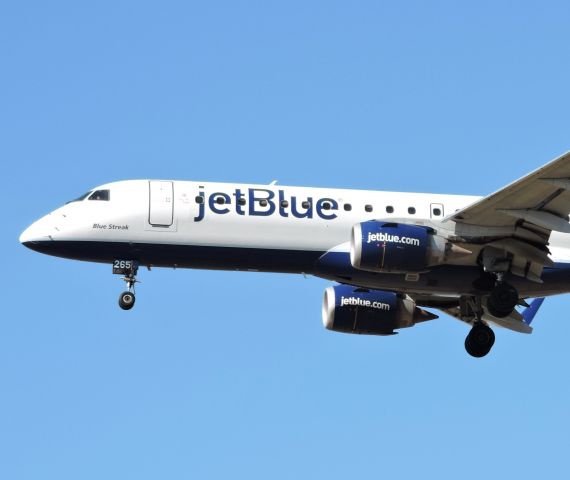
333,265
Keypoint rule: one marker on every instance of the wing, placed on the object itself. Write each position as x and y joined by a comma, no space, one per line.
540,199
518,220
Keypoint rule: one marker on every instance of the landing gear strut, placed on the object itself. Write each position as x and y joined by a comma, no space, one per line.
479,340
129,269
504,297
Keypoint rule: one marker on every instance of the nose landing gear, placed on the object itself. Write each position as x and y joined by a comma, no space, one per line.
127,300
129,269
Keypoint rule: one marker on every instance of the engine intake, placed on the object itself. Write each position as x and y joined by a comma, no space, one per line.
398,247
350,309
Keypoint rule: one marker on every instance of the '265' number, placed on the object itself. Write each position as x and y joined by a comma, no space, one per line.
122,266
126,264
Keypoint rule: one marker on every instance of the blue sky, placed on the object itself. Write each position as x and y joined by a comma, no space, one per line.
231,375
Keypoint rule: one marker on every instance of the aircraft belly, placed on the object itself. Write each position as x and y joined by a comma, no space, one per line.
444,279
184,256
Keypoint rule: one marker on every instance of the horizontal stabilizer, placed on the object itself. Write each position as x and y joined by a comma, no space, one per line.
513,322
529,313
518,322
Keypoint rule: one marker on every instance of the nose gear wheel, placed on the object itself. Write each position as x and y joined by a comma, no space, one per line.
127,300
129,268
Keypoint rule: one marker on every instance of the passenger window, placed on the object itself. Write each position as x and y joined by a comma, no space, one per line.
411,210
284,203
305,204
347,207
241,201
326,206
220,200
103,195
263,203
389,209
437,212
199,199
368,208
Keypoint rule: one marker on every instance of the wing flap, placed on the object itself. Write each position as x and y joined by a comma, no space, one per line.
541,198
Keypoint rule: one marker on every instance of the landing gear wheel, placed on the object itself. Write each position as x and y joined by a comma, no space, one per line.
479,341
129,269
502,300
127,300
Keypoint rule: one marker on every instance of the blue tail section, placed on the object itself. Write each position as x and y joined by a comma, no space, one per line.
529,312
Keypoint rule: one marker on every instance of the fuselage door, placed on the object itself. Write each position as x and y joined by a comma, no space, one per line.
436,210
161,203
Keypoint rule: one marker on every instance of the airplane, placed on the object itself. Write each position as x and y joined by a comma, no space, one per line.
392,254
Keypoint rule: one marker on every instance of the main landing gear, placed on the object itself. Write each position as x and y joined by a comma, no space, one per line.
128,269
502,300
500,303
480,340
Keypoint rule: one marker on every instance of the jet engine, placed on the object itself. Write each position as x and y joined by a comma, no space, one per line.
351,309
398,247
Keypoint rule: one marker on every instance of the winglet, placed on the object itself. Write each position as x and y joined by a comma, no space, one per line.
529,313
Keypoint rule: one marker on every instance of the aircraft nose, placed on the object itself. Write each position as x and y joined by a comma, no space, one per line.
36,233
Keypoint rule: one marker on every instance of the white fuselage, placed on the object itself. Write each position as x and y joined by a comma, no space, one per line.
243,218
252,225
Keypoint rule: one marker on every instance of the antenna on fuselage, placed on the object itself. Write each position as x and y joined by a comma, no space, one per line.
274,182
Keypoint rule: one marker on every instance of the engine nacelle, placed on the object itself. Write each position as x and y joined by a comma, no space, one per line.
351,309
398,247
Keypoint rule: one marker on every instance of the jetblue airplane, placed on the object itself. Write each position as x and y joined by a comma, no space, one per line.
392,254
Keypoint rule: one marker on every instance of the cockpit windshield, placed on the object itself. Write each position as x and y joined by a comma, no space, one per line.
82,197
104,195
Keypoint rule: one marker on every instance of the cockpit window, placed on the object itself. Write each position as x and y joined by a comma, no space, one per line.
100,195
82,197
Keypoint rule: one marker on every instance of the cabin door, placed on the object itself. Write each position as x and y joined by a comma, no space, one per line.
161,203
